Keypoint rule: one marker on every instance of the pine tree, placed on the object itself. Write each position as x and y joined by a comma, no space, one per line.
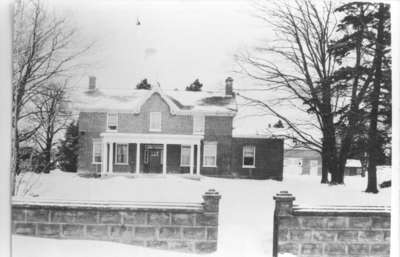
279,124
366,39
68,150
144,84
382,17
195,86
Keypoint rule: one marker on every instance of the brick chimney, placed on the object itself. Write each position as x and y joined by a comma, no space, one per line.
229,86
92,83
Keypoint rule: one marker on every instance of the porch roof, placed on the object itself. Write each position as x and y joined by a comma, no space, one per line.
146,138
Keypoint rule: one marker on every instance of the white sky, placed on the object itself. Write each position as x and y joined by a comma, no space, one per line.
177,41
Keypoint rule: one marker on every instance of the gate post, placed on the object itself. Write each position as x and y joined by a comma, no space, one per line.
283,207
211,201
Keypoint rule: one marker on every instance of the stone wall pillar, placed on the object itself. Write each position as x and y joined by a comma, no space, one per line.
283,208
209,218
284,203
211,201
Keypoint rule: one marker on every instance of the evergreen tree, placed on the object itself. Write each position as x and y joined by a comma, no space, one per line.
381,24
143,85
279,124
195,86
68,149
366,39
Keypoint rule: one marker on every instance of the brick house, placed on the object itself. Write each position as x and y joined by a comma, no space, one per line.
170,132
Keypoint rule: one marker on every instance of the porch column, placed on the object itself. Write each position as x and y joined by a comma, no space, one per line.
191,159
111,157
198,160
137,158
104,157
164,167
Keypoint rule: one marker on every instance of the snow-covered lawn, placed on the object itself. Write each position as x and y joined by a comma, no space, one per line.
246,208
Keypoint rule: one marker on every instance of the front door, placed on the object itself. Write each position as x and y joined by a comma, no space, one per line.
155,160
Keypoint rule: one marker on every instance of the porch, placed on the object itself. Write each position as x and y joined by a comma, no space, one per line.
152,154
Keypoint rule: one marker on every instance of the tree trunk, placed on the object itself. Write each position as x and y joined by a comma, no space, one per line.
14,144
373,145
330,151
345,145
47,154
364,164
14,158
340,166
47,161
325,164
347,139
329,133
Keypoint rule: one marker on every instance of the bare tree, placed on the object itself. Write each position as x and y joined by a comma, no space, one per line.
299,65
326,70
43,49
51,118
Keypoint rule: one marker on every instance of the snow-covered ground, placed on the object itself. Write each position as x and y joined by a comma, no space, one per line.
246,208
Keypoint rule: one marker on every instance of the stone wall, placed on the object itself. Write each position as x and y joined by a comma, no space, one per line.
330,230
181,227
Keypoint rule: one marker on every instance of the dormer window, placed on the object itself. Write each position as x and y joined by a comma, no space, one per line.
112,121
198,124
155,121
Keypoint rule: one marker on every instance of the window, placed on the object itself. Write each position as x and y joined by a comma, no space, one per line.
185,155
121,154
97,148
155,121
210,154
112,121
249,156
198,124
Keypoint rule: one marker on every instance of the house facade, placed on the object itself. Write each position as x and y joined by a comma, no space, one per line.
170,132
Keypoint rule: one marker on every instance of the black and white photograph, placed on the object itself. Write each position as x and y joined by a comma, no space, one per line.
248,128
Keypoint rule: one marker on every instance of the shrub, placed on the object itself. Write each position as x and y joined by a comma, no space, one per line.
195,86
68,149
143,85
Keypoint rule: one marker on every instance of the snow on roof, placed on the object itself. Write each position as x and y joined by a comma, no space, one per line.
106,100
131,101
249,121
353,163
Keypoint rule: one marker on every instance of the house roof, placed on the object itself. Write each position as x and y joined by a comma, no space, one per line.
246,122
180,102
